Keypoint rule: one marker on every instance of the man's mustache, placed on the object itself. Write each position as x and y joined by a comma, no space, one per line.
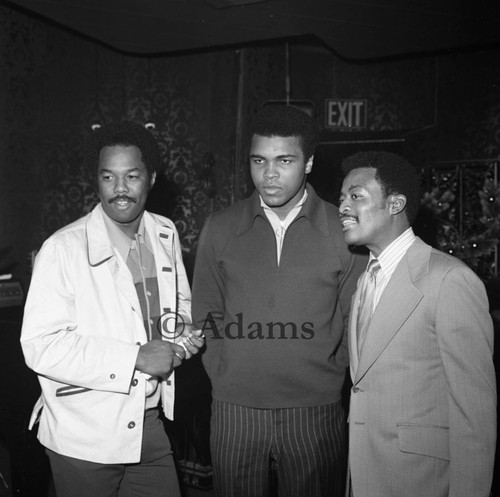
121,197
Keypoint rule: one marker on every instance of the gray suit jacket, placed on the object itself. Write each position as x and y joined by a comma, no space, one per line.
422,417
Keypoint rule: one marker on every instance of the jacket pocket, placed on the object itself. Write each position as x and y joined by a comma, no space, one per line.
426,440
70,390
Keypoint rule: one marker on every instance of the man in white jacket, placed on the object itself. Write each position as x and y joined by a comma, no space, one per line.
107,319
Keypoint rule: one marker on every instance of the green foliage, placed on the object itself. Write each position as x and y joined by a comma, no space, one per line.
479,240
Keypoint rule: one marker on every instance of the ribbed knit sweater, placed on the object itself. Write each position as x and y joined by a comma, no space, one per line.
276,335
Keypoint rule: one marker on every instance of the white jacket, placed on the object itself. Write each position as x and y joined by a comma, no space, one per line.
81,333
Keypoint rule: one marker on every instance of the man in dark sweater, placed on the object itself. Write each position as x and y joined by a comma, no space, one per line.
272,288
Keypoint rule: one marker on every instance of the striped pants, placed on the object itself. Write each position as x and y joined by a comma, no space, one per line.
289,452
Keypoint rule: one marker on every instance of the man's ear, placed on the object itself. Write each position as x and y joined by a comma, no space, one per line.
152,180
309,164
397,203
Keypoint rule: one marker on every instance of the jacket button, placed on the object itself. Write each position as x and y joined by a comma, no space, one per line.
356,389
134,383
131,424
112,376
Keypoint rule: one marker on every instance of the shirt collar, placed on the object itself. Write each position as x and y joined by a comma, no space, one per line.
313,209
275,220
120,241
394,252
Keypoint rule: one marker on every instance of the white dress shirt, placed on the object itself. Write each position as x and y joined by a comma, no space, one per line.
389,259
280,226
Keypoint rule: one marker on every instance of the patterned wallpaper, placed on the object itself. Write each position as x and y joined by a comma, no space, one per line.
55,85
58,86
169,96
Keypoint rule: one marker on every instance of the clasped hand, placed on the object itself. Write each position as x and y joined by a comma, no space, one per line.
159,357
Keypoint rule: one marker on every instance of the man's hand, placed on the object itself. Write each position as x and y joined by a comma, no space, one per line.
158,357
191,341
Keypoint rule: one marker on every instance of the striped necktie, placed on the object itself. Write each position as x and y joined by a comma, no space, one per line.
366,301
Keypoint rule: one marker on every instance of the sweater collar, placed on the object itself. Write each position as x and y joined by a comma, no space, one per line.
313,210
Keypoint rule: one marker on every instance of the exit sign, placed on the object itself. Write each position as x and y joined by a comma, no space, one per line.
345,113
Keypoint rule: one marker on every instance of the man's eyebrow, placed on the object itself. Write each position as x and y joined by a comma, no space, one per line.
353,187
282,156
106,170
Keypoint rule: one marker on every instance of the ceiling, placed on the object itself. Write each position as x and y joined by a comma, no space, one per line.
354,29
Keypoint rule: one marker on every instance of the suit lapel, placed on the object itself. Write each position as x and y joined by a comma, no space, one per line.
398,301
352,334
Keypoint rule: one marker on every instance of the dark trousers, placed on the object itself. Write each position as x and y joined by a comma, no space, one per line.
154,476
292,452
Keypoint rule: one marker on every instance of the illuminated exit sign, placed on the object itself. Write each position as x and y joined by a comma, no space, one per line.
346,113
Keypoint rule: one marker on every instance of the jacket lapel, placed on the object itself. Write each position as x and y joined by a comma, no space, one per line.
352,334
398,301
166,271
100,251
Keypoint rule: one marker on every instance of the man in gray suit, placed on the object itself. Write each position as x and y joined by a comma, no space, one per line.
422,419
